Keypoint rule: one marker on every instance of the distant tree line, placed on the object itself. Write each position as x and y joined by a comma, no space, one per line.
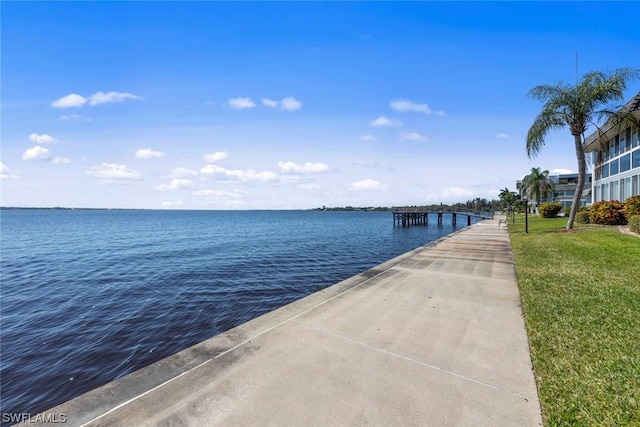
473,205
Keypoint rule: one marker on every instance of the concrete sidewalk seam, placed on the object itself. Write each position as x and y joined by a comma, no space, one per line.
438,273
409,359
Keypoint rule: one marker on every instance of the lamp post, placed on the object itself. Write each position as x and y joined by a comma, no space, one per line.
526,216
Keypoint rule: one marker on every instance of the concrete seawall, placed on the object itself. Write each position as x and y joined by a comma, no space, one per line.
432,337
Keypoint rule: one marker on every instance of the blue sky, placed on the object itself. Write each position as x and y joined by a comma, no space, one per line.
209,105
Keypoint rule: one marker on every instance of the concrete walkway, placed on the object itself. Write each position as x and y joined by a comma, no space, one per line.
434,337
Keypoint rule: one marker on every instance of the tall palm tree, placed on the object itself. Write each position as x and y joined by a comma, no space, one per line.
537,184
576,107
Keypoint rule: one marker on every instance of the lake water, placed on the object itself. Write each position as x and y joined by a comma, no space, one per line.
90,296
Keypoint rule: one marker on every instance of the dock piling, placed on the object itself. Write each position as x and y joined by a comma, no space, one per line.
408,216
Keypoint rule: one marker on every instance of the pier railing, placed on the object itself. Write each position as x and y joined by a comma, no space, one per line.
414,215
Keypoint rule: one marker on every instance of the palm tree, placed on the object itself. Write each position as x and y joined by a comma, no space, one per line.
537,185
576,107
507,197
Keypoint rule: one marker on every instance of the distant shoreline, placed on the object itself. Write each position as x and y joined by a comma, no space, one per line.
347,208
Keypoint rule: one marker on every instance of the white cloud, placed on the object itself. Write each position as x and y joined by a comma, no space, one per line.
113,171
309,167
175,184
104,98
369,165
181,172
560,171
172,203
69,117
61,160
36,153
269,102
456,192
75,100
308,186
42,139
148,153
215,157
403,105
240,175
218,193
6,173
290,104
384,121
502,135
71,100
413,136
240,103
368,138
366,184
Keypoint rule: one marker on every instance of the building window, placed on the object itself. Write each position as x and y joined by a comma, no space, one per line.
614,167
605,170
626,189
625,162
605,191
636,159
615,190
634,139
635,185
612,149
627,146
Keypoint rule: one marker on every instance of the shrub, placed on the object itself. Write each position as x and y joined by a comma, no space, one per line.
632,206
550,209
634,223
582,217
607,213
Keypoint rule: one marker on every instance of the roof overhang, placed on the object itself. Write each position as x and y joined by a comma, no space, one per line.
609,130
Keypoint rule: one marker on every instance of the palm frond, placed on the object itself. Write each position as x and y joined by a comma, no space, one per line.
546,121
547,92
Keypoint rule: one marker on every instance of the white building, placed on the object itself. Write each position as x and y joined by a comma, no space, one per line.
616,157
564,189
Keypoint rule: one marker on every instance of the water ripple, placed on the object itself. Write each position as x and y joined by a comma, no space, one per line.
90,296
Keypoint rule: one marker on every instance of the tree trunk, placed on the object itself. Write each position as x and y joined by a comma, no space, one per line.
582,171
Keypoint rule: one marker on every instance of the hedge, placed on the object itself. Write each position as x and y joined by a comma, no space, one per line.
632,206
582,217
607,213
550,209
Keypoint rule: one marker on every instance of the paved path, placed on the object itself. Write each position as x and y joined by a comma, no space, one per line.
432,338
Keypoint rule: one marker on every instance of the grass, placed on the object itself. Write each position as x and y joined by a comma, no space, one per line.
580,294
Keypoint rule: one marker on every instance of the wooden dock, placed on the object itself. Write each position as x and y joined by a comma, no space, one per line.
406,216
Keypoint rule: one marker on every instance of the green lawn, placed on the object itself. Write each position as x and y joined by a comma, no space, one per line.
580,293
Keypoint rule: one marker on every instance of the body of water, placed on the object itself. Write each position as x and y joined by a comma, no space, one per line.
89,296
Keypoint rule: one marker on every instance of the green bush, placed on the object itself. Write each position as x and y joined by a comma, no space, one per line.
634,223
607,213
550,209
582,217
632,206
